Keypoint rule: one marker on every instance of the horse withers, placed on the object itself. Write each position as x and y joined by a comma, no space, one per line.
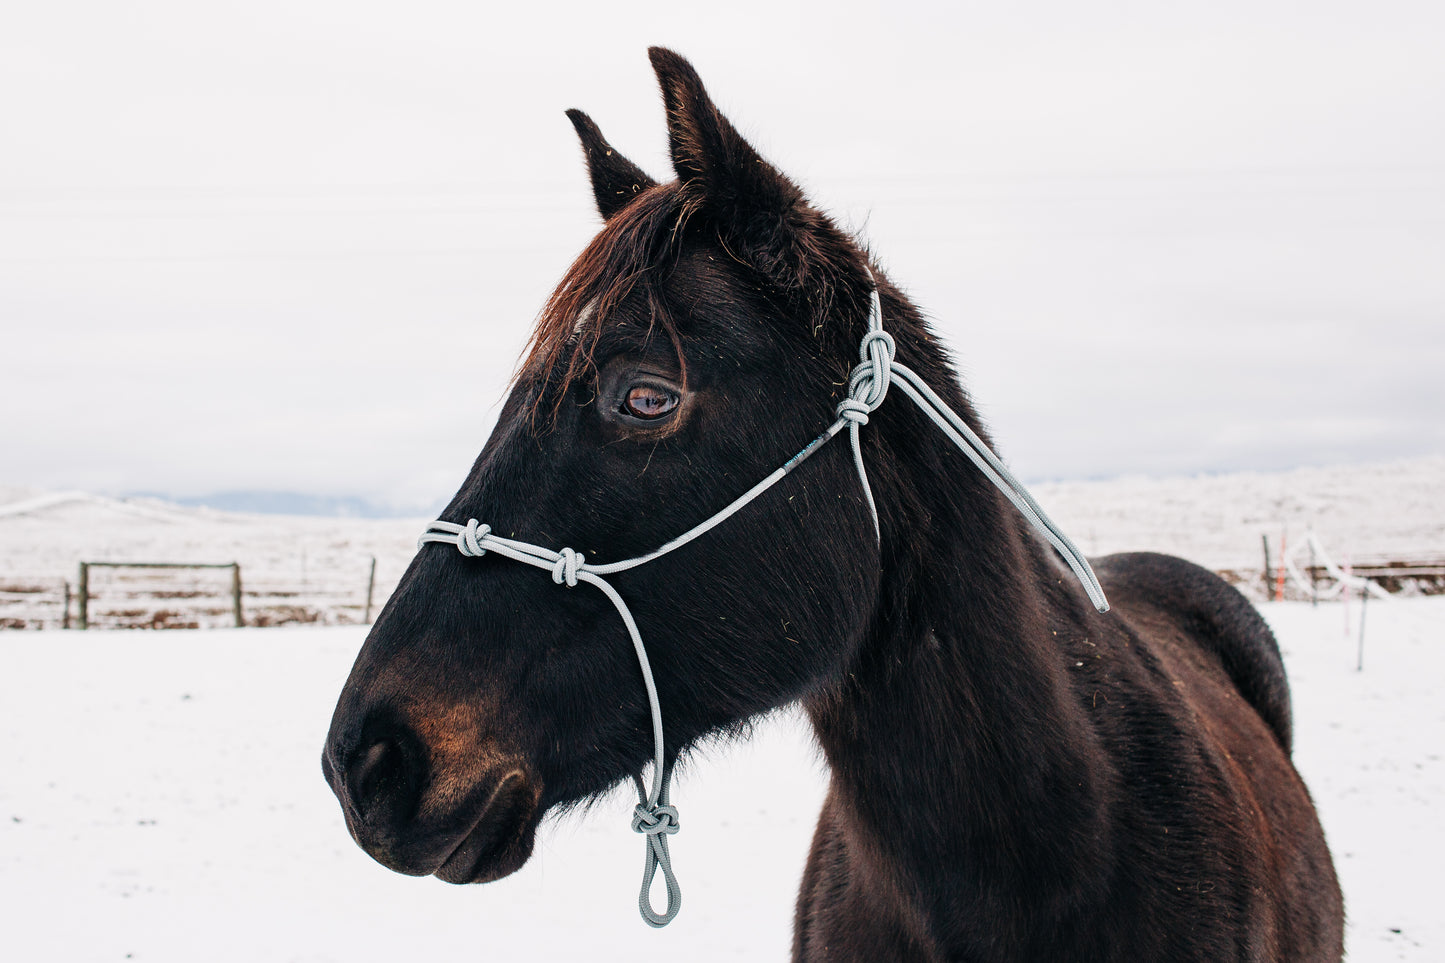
1014,775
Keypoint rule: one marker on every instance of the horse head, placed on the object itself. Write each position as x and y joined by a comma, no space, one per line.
706,334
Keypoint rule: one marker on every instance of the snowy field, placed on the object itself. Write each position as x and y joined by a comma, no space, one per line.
162,800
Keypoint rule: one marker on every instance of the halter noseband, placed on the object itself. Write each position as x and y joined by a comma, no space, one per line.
877,370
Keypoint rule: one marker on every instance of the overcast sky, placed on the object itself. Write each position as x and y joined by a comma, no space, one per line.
298,245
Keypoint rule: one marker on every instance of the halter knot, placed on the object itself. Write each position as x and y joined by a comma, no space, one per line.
853,410
658,819
877,346
565,568
868,385
470,542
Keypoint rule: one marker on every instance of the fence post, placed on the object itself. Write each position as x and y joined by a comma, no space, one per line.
1265,539
370,584
1364,599
236,593
65,612
1314,588
1283,554
82,604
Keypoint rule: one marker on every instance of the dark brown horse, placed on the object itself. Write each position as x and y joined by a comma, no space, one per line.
1014,776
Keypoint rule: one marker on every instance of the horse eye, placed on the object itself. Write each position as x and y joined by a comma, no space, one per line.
646,401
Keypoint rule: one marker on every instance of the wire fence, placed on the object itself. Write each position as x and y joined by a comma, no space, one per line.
185,595
1380,576
171,595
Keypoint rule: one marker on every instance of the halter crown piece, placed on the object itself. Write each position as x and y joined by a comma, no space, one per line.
876,372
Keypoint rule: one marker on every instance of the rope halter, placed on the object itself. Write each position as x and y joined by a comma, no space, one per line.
654,816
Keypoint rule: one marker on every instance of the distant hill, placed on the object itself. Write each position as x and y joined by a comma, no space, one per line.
289,503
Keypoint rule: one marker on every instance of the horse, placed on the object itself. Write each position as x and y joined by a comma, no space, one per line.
1014,774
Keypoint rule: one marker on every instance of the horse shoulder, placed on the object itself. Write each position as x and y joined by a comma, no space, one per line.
848,905
1217,665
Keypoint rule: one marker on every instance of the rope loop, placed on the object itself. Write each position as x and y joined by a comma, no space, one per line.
655,819
470,542
876,353
565,568
656,823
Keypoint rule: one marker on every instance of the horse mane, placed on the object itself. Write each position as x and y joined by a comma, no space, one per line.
630,253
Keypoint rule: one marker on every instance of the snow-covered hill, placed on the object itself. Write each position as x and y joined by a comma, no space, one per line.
316,568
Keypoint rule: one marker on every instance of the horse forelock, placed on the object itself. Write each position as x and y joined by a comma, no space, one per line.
629,255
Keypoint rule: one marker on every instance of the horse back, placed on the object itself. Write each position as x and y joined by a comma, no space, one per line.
1213,615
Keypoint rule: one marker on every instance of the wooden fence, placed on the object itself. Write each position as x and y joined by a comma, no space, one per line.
83,592
150,595
1415,575
34,603
159,595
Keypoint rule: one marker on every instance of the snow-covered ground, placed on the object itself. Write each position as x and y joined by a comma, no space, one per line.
162,800
161,796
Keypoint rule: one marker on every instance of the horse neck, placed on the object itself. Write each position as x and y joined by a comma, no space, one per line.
959,758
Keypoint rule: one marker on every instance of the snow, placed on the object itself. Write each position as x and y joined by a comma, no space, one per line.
166,789
141,507
1393,509
162,796
163,800
1369,744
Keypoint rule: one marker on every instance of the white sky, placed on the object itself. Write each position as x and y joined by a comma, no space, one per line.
298,245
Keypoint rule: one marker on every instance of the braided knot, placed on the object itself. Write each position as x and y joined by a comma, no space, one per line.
565,568
470,540
853,410
658,819
869,381
877,346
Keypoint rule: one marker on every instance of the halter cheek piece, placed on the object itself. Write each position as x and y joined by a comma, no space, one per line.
653,816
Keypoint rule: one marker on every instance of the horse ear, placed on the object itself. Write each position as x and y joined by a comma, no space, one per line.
615,179
764,216
708,153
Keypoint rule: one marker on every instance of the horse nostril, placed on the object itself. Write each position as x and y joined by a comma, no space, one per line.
384,779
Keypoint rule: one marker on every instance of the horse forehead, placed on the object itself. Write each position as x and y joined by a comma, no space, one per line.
704,292
705,268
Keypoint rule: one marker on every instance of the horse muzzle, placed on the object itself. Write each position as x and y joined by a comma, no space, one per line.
471,819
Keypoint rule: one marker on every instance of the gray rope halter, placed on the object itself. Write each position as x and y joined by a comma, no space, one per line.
654,816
